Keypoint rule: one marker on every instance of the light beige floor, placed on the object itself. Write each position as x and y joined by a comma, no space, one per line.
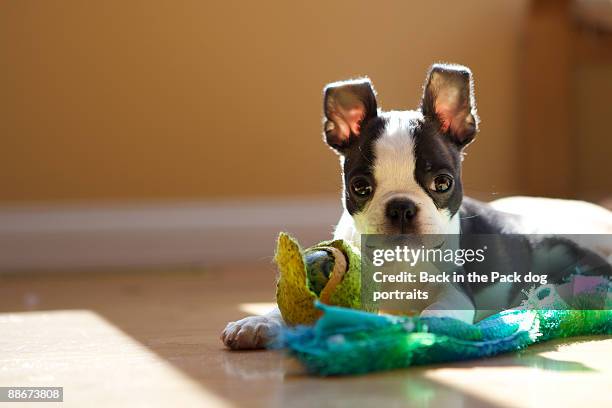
150,338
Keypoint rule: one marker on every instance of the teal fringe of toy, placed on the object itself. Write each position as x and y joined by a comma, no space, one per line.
346,341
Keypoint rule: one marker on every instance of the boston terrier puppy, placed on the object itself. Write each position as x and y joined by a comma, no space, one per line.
401,173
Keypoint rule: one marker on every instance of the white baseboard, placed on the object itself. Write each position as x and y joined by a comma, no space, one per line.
157,234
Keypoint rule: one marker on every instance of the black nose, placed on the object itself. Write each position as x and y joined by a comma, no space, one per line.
400,213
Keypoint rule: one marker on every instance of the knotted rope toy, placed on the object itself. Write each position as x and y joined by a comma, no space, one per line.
345,341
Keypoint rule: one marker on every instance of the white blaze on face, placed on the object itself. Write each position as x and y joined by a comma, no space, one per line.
394,166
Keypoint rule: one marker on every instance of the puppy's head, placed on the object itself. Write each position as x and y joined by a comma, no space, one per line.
402,170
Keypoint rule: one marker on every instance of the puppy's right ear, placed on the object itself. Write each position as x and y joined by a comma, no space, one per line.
348,105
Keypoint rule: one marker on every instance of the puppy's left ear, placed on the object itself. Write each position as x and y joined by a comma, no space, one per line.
448,99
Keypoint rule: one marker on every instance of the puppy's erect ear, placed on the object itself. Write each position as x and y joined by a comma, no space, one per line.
348,105
448,98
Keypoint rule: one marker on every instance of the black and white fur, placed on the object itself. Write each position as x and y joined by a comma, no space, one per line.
402,175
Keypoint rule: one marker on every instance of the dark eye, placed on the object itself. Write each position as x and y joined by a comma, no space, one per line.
361,187
441,183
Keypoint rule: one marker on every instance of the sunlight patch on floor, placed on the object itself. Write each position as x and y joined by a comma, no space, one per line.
259,309
526,379
95,362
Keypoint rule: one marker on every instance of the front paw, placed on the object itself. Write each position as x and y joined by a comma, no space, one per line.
253,332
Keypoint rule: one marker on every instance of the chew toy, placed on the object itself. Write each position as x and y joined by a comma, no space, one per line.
345,341
332,277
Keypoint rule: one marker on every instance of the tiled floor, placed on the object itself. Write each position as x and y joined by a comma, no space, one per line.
150,338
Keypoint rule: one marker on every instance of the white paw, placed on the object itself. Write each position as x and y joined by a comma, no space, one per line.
252,332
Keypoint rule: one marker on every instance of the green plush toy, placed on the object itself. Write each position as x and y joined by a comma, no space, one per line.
328,272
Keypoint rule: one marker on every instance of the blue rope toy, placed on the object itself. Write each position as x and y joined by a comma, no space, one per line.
346,341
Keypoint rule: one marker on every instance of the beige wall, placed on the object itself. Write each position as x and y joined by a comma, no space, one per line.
119,100
592,141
